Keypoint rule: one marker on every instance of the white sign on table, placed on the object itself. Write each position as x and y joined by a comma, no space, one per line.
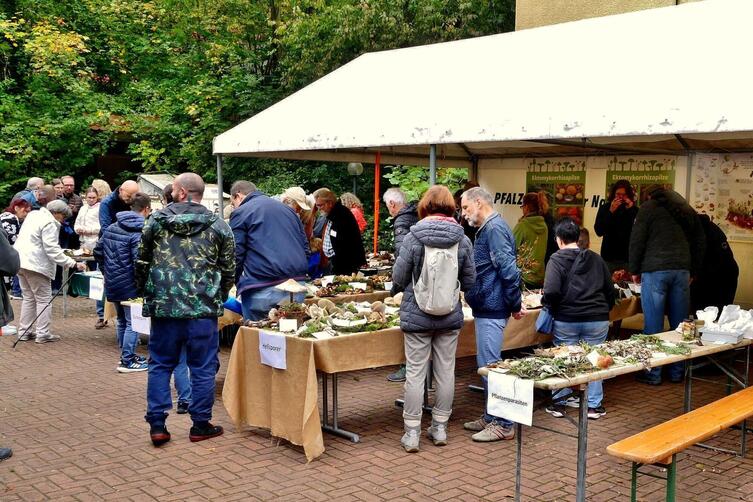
273,349
96,288
139,323
510,397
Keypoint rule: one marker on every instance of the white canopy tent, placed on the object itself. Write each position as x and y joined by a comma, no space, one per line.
662,81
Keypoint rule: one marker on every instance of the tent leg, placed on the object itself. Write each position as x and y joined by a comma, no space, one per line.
220,191
433,165
377,190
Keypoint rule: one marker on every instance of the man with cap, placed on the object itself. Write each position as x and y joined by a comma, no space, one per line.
270,247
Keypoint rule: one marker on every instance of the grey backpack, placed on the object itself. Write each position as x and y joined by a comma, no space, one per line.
437,290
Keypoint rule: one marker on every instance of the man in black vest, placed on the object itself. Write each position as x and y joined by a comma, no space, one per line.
342,243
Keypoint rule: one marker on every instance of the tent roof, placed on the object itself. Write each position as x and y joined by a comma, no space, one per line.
629,83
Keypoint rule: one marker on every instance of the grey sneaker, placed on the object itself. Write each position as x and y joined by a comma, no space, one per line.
48,338
27,336
410,440
476,425
398,376
571,402
437,433
494,432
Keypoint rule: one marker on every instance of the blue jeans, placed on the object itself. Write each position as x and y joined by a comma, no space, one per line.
181,378
15,287
127,337
488,348
168,338
257,303
572,333
661,291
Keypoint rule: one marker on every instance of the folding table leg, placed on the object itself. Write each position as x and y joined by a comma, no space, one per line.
634,483
518,459
671,479
580,487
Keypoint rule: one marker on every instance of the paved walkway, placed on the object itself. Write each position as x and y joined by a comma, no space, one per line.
77,430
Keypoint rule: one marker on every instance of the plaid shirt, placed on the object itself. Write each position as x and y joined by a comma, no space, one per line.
329,252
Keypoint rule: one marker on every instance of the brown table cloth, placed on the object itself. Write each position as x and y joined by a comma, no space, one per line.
287,401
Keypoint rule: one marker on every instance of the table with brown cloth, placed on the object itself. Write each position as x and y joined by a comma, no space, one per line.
287,401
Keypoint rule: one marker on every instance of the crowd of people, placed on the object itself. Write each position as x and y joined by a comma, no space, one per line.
184,260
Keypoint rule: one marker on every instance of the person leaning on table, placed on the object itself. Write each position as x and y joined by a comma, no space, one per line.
425,334
40,252
579,293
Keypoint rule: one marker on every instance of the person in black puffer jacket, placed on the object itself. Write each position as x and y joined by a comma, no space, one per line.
425,334
579,293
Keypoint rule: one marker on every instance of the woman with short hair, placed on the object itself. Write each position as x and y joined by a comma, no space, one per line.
428,335
40,252
579,293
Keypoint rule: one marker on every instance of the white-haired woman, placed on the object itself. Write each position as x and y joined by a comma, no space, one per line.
38,248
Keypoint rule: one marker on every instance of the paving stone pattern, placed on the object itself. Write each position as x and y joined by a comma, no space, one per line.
77,430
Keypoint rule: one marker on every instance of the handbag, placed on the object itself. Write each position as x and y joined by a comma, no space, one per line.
545,321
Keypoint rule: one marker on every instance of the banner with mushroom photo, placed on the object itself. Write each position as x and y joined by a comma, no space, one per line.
565,183
722,187
641,173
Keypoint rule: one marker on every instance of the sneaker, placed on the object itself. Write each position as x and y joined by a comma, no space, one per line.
208,431
410,440
476,425
596,413
398,376
182,407
494,432
143,359
5,453
437,433
132,367
159,435
48,338
644,378
27,336
556,410
571,402
101,323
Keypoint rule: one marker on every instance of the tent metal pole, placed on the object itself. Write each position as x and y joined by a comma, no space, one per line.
377,190
220,191
433,165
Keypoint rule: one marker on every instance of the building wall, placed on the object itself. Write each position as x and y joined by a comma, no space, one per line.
533,13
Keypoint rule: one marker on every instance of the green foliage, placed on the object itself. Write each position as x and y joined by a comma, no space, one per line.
414,181
166,76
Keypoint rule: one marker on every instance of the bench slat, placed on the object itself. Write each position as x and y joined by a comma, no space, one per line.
664,440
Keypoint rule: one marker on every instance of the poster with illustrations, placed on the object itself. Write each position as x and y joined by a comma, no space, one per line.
722,187
641,173
564,181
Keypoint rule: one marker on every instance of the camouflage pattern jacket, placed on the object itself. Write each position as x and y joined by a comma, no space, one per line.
186,263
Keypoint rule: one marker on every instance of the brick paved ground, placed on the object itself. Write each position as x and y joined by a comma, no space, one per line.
77,431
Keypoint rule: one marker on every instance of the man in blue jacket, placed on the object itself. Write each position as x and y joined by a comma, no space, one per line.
270,248
119,200
116,253
493,299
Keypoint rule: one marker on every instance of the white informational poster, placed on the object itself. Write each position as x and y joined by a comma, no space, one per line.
510,397
272,348
139,323
722,188
96,288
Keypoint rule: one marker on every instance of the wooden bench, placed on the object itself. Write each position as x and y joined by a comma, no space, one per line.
660,444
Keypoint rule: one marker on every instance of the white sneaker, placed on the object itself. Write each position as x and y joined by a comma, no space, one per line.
571,402
410,440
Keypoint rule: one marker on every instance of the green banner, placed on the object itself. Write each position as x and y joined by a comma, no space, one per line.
566,190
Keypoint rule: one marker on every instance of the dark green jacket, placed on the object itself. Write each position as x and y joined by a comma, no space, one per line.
186,263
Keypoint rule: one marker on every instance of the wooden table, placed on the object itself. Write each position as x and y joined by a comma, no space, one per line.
580,382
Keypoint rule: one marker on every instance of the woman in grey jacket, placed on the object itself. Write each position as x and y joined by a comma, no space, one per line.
425,334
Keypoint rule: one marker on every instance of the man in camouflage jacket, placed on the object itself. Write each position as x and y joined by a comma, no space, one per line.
185,269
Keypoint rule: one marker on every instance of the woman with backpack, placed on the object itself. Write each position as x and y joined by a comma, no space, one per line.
579,293
435,263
